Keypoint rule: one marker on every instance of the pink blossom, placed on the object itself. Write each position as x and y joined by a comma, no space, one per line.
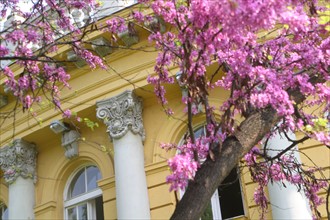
183,168
3,51
67,113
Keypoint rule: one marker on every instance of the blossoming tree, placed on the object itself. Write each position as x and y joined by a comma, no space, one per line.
272,56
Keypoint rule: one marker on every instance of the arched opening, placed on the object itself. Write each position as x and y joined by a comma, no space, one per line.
83,198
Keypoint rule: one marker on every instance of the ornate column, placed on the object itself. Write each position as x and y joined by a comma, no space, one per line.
18,162
286,202
123,117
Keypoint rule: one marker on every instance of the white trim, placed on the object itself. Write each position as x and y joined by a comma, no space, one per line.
83,197
216,206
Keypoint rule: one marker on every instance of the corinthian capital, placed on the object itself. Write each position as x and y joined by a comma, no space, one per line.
18,159
122,113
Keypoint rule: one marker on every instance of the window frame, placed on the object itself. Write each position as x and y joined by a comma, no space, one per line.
87,197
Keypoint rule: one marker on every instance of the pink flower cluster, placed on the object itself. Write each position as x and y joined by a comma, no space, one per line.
183,168
42,27
265,51
285,170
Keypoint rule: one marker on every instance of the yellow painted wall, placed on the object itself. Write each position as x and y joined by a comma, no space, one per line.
3,192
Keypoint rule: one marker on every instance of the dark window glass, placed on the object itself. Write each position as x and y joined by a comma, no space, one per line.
82,212
99,208
199,132
72,213
78,185
230,196
93,175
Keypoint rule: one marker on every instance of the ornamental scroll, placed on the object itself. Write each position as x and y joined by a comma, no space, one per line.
122,113
18,159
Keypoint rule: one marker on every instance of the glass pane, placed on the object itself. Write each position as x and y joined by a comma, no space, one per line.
199,132
93,175
72,213
77,186
207,215
82,212
230,196
99,208
3,211
5,214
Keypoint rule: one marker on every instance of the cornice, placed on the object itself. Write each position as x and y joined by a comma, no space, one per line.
107,183
156,167
17,69
88,94
45,207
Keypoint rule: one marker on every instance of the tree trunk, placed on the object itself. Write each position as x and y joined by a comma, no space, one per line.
212,173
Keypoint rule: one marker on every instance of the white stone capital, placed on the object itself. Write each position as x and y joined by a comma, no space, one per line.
18,159
121,114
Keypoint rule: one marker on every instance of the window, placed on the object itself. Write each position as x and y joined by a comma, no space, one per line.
3,211
83,197
227,201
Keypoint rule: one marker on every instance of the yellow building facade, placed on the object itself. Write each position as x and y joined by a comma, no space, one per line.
117,169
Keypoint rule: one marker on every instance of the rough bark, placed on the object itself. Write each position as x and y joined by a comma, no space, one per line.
212,173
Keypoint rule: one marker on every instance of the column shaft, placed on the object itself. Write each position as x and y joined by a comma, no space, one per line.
286,202
131,185
21,199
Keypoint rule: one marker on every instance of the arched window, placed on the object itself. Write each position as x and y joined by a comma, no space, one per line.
3,211
83,198
227,200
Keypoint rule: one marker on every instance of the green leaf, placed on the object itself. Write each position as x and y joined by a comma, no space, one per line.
322,122
308,128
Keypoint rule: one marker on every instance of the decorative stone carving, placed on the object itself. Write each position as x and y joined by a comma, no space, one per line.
78,16
78,61
129,36
18,159
122,113
156,24
70,143
102,46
